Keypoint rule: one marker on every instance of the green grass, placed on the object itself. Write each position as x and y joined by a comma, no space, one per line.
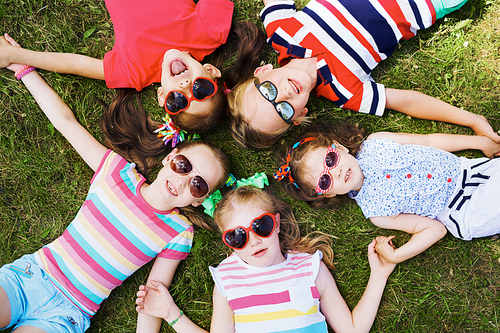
452,287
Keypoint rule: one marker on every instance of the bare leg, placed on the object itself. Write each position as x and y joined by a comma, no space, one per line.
5,306
28,329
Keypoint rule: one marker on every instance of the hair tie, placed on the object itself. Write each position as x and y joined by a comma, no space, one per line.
284,170
169,132
210,203
226,91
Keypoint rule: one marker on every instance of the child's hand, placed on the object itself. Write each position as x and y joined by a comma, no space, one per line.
490,148
156,301
7,42
377,262
483,127
385,248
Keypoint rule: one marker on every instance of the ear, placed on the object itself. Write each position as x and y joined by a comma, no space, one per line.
277,216
328,195
302,114
197,203
259,71
338,146
161,96
170,156
214,71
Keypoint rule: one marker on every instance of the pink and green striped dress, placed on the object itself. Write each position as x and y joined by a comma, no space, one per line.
115,232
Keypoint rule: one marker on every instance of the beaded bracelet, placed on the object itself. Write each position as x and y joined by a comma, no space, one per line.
172,323
21,72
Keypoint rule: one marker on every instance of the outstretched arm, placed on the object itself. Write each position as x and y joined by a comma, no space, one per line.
426,231
157,302
65,63
422,106
333,306
448,142
61,116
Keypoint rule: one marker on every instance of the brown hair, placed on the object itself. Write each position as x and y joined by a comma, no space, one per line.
289,235
246,39
349,135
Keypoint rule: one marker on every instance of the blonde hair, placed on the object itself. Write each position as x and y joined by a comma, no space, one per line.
289,235
241,131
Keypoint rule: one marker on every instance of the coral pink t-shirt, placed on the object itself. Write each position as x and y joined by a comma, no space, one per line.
145,30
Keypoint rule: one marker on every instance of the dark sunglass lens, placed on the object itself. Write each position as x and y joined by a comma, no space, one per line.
202,88
236,238
263,226
331,159
324,182
176,102
198,187
268,90
285,110
180,164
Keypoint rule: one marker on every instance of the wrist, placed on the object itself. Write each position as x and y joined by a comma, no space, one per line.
23,70
174,316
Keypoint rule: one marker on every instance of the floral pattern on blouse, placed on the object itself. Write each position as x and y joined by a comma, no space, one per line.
408,179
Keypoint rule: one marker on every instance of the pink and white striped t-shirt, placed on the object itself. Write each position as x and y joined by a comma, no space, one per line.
277,298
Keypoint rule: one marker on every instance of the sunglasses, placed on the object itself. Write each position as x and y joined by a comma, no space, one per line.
197,186
269,91
237,238
332,159
201,89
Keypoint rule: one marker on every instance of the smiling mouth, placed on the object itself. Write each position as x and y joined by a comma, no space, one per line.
296,86
347,175
177,67
171,189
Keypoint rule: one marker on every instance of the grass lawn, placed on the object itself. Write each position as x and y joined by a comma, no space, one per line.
452,287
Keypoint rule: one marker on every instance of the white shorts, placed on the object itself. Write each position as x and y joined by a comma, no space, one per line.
474,208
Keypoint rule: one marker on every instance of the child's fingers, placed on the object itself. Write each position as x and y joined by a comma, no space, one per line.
10,40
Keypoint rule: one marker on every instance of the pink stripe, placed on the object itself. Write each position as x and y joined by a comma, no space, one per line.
352,29
140,209
249,276
113,236
80,256
261,283
315,292
258,300
61,278
101,164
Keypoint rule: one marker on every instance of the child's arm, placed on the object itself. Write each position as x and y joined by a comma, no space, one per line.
156,301
422,106
61,116
448,142
426,231
65,63
159,279
333,306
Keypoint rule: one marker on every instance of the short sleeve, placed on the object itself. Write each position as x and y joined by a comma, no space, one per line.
180,246
217,280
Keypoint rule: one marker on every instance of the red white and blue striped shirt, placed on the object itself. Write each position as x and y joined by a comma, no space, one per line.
349,39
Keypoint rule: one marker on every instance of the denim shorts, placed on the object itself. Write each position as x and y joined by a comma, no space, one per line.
444,7
34,301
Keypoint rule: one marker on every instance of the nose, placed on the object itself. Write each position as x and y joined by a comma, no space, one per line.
253,239
283,93
185,83
182,180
